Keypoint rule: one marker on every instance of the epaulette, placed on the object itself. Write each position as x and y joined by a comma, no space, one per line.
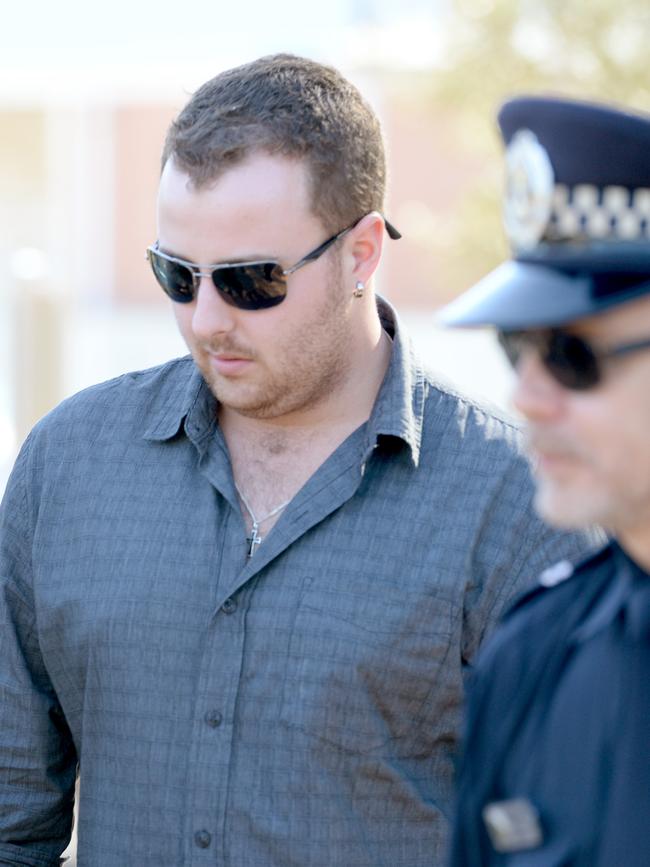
558,574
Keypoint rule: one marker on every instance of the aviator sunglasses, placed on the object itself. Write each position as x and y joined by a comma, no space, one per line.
246,285
570,359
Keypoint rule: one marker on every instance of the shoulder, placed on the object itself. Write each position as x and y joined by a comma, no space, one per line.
558,599
477,454
138,392
455,416
562,581
477,450
95,434
112,412
473,443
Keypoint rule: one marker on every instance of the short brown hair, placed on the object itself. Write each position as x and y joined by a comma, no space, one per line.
294,107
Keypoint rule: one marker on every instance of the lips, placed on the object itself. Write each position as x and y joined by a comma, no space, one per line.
225,357
553,460
551,453
227,364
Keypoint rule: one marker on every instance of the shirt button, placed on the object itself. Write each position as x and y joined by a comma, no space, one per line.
213,718
229,606
203,839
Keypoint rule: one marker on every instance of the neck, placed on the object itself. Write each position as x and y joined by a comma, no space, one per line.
272,458
637,545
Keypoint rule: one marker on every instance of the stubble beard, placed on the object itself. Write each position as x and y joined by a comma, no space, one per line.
560,501
560,508
312,363
575,504
616,510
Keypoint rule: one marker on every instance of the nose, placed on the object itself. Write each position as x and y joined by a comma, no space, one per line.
537,395
211,314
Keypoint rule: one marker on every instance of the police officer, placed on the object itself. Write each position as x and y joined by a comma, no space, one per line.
557,762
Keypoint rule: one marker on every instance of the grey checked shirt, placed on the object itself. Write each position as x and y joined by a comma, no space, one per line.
296,710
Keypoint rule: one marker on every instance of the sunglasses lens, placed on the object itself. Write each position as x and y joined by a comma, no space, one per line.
248,287
568,358
571,361
251,287
175,279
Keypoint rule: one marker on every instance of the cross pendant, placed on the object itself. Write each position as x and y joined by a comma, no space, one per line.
254,540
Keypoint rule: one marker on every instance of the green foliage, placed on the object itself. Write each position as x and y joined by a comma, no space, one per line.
499,48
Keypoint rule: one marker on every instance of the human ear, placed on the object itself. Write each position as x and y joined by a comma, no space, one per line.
365,246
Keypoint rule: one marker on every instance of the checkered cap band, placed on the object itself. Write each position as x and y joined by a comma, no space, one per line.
588,212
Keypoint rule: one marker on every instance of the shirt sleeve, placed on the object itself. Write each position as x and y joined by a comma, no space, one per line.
511,551
37,757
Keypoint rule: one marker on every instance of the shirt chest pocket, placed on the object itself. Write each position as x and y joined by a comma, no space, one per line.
363,667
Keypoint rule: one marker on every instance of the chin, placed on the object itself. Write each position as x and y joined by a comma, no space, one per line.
248,402
566,508
238,396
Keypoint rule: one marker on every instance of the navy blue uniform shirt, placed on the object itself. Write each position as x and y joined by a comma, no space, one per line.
558,732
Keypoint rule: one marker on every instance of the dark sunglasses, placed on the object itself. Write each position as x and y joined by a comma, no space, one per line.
570,359
247,285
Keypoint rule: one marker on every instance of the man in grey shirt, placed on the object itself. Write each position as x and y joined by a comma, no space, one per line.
240,590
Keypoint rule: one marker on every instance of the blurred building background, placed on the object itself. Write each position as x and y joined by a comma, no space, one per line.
87,91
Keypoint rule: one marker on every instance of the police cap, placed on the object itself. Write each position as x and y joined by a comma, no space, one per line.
576,212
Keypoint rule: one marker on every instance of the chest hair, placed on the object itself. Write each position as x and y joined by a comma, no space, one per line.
271,468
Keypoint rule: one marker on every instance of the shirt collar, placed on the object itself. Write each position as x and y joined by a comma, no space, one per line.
399,408
627,593
183,397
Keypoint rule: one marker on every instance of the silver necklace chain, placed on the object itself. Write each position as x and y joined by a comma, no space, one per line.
255,540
